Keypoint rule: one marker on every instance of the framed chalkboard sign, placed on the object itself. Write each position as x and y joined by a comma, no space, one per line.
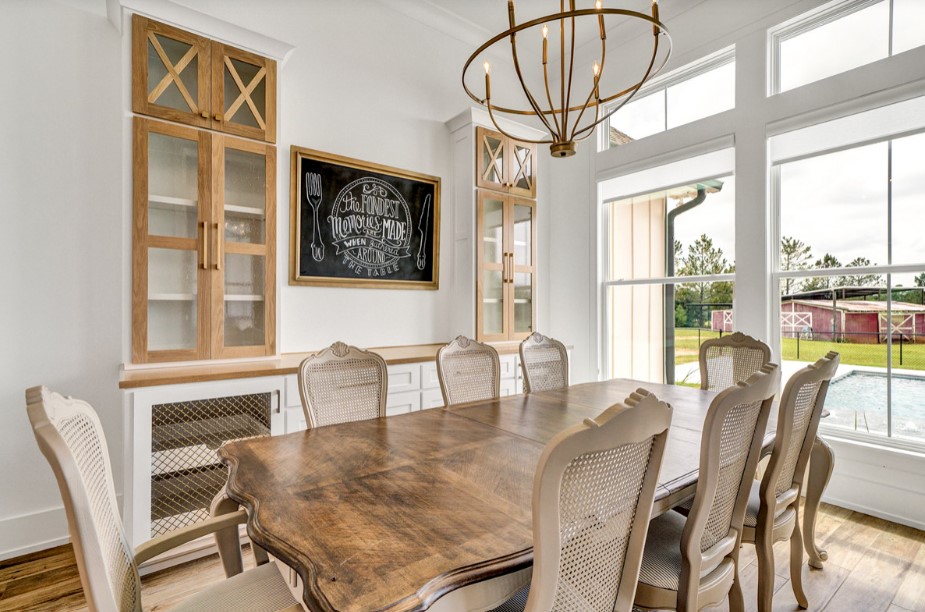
358,224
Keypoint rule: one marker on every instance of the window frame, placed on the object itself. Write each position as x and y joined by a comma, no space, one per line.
889,269
811,20
661,84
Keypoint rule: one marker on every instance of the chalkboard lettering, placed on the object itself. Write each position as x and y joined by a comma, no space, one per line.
381,222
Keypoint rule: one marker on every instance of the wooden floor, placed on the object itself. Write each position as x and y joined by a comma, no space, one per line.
873,566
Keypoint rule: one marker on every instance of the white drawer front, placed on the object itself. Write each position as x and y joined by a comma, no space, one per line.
295,420
429,379
404,377
293,399
400,403
508,366
431,398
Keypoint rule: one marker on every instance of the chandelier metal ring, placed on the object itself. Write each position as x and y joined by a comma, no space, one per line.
562,143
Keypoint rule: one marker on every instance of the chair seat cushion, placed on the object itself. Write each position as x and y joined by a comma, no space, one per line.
754,504
261,589
661,561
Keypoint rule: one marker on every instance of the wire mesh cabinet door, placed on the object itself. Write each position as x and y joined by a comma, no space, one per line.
173,432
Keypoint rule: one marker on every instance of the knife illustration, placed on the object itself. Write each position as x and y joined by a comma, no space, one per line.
422,227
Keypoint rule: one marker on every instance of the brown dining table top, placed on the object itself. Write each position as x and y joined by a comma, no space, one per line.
392,513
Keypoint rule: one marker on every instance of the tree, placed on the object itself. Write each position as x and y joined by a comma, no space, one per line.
794,255
822,282
920,280
704,259
859,280
678,254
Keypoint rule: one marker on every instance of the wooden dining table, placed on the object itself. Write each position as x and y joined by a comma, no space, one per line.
397,512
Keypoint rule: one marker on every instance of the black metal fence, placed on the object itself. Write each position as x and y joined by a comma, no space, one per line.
858,348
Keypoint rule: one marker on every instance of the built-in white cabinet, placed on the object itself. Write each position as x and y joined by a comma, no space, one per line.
412,386
172,472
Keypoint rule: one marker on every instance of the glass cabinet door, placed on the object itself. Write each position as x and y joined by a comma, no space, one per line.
492,265
170,263
491,158
243,93
243,311
170,73
523,266
522,170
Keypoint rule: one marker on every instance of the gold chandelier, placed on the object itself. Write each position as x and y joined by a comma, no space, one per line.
562,118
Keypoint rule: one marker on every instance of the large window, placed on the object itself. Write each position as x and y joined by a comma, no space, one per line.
844,35
851,261
668,273
692,92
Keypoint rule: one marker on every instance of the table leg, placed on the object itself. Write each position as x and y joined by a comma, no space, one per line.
821,462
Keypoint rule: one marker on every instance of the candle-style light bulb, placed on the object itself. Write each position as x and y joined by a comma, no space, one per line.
487,80
597,70
597,5
487,67
545,42
655,29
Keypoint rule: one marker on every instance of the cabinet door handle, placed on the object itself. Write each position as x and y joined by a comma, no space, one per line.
203,251
218,247
503,268
204,114
510,265
218,117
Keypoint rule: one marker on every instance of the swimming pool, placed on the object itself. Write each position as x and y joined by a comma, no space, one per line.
857,400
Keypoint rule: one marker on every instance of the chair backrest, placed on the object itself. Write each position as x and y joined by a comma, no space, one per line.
797,422
469,371
544,362
592,501
731,359
70,436
342,383
733,433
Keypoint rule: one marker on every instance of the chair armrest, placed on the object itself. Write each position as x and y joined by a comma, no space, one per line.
160,544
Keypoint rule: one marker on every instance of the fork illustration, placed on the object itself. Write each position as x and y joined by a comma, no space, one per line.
313,192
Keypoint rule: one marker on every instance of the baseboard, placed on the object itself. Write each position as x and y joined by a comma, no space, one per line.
29,533
887,516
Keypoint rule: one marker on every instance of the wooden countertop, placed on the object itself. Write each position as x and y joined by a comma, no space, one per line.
287,363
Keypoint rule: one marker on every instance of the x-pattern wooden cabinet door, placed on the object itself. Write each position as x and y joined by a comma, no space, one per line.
243,93
171,73
505,164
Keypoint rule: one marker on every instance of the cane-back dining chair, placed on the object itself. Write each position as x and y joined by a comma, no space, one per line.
468,371
342,383
592,501
730,359
773,511
544,362
70,436
692,563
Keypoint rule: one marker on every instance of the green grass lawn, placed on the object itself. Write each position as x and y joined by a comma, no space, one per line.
687,347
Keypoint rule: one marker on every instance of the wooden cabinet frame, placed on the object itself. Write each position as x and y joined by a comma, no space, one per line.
517,160
208,245
207,109
223,118
508,266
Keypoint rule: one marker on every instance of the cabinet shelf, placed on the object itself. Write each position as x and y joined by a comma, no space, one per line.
163,201
243,298
171,297
251,211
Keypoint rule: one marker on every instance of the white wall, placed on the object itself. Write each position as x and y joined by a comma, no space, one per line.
364,81
60,242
